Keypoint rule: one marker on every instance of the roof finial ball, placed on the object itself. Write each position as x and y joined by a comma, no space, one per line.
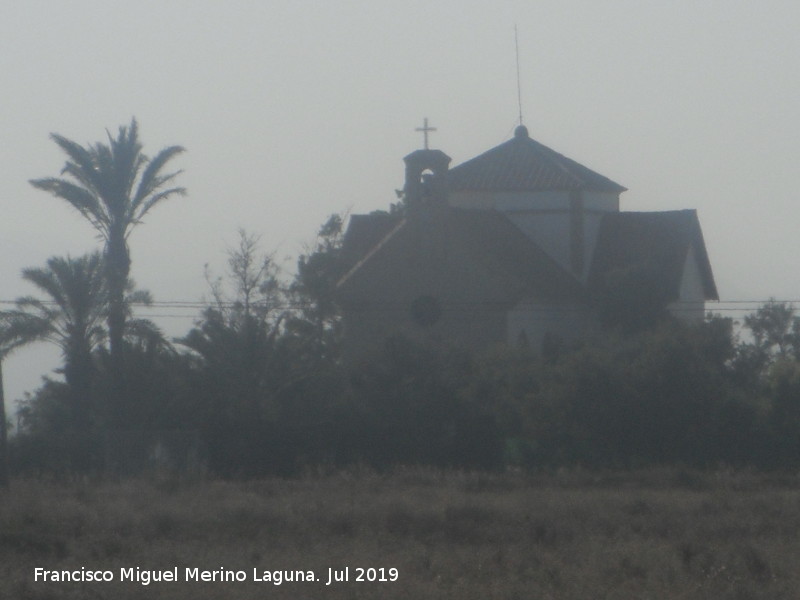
521,132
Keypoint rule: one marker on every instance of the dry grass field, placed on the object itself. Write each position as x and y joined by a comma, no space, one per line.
659,535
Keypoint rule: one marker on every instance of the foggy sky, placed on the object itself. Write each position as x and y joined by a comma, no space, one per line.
291,111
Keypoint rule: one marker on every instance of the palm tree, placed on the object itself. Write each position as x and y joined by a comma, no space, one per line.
71,317
113,186
3,427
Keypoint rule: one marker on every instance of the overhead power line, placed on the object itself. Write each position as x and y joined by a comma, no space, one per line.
202,304
176,309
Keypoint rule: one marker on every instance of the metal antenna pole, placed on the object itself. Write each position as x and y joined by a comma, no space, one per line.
519,85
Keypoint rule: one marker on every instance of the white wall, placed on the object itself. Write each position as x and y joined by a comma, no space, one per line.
549,230
600,201
545,217
546,200
691,298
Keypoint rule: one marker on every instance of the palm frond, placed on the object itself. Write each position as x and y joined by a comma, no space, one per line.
19,328
29,303
81,165
147,333
47,281
153,200
127,159
102,177
153,180
81,199
76,305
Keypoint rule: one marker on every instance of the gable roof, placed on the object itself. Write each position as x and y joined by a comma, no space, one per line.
658,241
523,164
487,236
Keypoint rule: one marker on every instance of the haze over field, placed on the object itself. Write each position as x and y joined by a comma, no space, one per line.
293,110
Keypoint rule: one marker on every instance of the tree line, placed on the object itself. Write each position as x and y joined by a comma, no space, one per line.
258,387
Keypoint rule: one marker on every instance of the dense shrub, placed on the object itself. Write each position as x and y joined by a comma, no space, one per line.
676,394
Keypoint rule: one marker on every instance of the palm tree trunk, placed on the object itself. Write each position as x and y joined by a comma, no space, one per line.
78,375
3,433
118,265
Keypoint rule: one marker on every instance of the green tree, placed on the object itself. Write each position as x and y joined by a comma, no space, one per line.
661,396
776,331
774,336
316,323
114,186
240,372
767,367
417,408
236,336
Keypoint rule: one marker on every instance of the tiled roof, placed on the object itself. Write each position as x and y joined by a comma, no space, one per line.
523,164
659,240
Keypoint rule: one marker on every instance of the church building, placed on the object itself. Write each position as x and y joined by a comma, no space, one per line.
519,245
